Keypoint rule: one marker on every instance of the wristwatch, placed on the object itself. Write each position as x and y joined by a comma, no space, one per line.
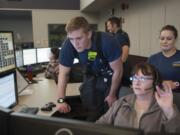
61,100
177,84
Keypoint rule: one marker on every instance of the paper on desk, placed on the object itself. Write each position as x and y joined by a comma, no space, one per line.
26,92
38,78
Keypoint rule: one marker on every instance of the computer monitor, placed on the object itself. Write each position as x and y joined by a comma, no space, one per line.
7,56
25,124
4,120
19,58
8,90
29,56
43,55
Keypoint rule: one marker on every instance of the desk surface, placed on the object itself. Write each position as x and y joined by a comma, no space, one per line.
43,92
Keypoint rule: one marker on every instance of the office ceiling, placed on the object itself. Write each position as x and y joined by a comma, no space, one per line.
94,7
99,5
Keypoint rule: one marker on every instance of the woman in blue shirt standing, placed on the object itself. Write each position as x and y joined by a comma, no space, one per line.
164,60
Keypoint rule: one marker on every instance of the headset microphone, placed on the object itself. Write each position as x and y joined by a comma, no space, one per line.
149,90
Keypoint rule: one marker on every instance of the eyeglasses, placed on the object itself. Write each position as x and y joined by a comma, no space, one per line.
140,78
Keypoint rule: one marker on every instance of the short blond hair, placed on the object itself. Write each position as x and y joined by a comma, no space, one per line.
77,23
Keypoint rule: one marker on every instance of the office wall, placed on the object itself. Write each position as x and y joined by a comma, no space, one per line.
143,21
41,19
22,28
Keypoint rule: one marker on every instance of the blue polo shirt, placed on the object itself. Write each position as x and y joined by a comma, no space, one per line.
122,37
165,65
109,46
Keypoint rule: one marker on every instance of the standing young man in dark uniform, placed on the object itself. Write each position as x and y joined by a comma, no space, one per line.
81,43
113,25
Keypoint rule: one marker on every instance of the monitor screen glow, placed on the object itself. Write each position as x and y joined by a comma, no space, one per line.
7,56
19,58
43,54
29,56
8,91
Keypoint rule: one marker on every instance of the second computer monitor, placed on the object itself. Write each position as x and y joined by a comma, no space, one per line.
8,90
29,56
19,58
43,55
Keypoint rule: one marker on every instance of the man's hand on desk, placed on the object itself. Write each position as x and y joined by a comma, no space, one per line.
63,107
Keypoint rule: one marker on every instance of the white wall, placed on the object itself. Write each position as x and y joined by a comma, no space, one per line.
173,14
143,21
41,19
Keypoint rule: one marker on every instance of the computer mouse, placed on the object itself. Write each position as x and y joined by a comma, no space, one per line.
51,104
46,108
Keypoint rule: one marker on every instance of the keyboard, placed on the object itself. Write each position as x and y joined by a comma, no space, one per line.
29,110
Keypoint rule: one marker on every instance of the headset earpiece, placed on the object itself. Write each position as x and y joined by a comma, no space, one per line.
157,79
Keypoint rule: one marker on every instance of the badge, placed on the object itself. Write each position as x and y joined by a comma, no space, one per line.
92,55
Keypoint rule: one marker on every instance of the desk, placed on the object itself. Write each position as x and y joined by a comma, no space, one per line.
43,92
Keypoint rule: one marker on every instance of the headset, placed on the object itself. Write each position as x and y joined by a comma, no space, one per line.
157,79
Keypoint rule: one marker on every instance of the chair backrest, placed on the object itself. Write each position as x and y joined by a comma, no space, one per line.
129,65
134,59
176,98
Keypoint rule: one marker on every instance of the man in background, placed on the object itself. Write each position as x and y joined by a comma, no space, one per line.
113,25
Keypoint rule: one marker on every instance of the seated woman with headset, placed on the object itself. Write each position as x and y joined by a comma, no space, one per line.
150,108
